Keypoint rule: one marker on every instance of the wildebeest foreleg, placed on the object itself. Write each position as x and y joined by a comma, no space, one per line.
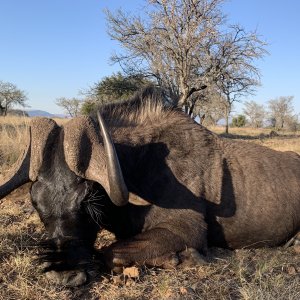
155,247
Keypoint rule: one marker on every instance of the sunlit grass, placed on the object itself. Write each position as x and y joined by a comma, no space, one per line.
281,141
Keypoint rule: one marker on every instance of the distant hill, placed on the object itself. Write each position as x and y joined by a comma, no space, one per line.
42,113
17,112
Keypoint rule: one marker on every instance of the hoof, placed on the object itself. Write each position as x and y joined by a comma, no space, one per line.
191,258
67,278
171,262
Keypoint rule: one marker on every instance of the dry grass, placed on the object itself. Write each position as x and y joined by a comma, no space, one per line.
244,131
284,141
242,274
282,144
12,137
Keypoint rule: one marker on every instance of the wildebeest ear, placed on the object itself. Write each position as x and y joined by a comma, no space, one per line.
26,169
84,151
44,132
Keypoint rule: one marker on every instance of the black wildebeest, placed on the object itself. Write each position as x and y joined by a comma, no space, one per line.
164,184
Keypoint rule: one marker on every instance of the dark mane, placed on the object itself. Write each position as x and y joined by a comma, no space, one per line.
145,107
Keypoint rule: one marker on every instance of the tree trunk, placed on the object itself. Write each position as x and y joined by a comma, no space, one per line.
1,110
191,110
226,121
227,113
183,100
186,109
187,93
5,110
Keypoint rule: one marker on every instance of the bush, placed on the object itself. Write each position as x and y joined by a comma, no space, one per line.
88,107
239,121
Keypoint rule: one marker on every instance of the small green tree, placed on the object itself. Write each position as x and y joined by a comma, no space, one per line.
10,95
88,106
118,87
239,121
292,123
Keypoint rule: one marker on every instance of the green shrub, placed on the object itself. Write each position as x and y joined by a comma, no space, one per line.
239,121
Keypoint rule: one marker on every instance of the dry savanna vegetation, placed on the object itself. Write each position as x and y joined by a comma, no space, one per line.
240,274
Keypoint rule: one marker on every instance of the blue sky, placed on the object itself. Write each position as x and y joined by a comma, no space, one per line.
54,48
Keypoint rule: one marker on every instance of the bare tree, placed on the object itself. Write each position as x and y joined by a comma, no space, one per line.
183,45
238,76
292,123
70,105
209,106
255,113
173,43
280,110
10,95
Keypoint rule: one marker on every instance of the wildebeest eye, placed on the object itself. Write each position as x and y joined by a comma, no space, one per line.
79,180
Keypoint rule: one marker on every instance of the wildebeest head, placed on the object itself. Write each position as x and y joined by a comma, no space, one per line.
71,168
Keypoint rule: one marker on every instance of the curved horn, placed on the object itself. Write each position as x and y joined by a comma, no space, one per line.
19,174
118,191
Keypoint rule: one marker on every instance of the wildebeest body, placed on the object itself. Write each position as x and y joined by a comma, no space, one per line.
187,187
246,193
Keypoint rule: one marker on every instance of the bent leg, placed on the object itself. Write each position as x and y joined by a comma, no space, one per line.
156,247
